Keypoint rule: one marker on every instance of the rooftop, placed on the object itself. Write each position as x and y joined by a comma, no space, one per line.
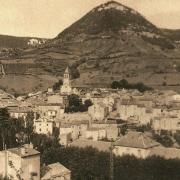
100,145
136,140
55,170
24,151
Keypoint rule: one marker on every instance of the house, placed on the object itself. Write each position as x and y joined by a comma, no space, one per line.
98,111
111,129
44,125
134,143
55,99
96,134
19,112
72,129
169,123
65,139
56,171
20,163
50,110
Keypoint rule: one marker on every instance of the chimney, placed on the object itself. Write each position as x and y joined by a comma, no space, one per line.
31,145
23,150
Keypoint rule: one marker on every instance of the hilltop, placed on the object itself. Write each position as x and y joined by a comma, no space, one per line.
109,43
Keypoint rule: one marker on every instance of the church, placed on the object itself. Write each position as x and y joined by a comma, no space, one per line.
66,88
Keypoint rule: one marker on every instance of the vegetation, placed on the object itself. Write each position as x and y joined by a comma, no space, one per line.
162,42
144,128
57,85
124,84
14,132
76,105
164,138
96,165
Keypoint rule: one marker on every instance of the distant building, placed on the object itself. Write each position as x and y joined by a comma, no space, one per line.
44,125
56,171
169,123
19,112
20,163
134,143
66,87
96,134
98,111
50,110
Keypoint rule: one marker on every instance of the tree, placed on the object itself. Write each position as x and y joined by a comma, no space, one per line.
115,85
88,103
57,85
29,125
76,105
163,139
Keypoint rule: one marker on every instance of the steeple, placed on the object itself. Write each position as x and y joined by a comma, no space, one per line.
67,71
66,87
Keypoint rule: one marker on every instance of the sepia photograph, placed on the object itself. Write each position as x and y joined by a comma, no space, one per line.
89,90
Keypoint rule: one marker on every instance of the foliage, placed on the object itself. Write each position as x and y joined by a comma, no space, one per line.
162,42
42,142
96,165
76,105
126,85
143,128
9,129
57,85
29,127
164,139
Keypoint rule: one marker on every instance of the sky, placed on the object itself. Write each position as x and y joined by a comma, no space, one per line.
47,18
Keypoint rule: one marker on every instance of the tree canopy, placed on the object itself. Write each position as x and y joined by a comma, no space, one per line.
124,84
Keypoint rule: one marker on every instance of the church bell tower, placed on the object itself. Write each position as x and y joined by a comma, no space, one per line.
66,87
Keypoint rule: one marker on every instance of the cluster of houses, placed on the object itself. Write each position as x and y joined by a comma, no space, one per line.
101,124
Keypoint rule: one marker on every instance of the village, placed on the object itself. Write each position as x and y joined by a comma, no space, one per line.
119,121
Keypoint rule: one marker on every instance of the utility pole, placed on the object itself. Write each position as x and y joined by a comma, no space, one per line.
111,175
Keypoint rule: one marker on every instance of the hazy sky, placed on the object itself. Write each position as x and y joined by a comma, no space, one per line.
47,18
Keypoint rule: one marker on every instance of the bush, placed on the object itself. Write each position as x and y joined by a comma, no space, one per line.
76,105
124,84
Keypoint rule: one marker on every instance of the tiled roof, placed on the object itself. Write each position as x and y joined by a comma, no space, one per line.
136,140
55,170
100,145
24,153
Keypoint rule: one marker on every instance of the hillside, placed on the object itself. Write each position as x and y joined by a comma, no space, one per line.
109,43
173,34
19,42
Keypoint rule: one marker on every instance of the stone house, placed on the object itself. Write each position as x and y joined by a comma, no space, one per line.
44,125
21,163
98,111
169,123
56,171
96,134
134,143
50,110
